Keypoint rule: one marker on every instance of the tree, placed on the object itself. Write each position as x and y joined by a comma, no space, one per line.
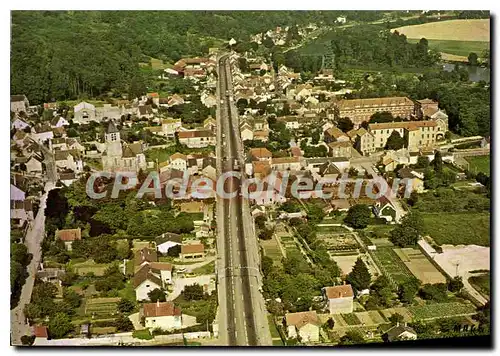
193,292
59,326
260,221
360,277
123,323
437,163
125,305
408,233
437,292
266,265
345,124
422,162
352,337
472,59
174,251
396,318
157,295
266,234
28,340
395,141
408,289
330,323
455,284
72,298
358,216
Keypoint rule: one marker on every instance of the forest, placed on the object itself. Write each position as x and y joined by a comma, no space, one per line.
63,55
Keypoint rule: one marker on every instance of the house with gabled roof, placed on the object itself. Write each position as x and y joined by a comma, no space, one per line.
164,315
145,281
339,299
303,325
68,236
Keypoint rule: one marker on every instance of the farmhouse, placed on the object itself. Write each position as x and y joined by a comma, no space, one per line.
196,138
339,299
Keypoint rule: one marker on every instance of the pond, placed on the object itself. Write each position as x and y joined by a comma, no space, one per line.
476,73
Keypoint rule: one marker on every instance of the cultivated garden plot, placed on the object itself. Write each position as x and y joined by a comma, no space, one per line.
420,266
440,310
391,264
99,307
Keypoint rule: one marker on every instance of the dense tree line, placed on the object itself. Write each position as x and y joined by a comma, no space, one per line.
69,54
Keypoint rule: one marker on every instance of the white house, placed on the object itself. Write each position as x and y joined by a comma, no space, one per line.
197,138
340,299
84,113
161,315
19,124
144,282
19,103
304,325
166,241
178,161
34,165
58,121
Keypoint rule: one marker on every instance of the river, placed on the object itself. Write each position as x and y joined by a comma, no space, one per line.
476,73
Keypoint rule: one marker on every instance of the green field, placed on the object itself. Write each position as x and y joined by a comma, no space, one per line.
479,164
459,48
481,284
440,310
458,228
391,264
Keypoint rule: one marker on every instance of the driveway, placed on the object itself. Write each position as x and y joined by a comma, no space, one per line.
189,268
180,283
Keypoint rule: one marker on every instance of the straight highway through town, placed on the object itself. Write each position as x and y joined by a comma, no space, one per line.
242,320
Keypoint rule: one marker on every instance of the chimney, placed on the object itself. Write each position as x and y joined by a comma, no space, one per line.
397,323
158,303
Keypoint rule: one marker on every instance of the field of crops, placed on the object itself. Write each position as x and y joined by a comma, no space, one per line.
391,264
440,310
101,306
452,30
459,48
458,228
351,319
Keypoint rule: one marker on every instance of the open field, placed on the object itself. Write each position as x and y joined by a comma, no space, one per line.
452,30
345,263
479,164
482,284
457,48
391,264
420,266
458,228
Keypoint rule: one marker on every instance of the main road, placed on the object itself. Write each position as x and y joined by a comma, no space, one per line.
242,320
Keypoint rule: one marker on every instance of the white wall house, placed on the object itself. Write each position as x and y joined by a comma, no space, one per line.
161,315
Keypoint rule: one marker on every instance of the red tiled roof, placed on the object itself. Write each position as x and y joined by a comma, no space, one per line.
194,248
339,291
40,331
69,234
160,309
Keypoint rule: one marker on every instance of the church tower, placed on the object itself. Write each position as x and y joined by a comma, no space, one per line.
113,143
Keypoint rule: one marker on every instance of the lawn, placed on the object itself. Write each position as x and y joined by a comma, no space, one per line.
331,230
90,267
391,264
207,269
479,164
481,284
458,228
